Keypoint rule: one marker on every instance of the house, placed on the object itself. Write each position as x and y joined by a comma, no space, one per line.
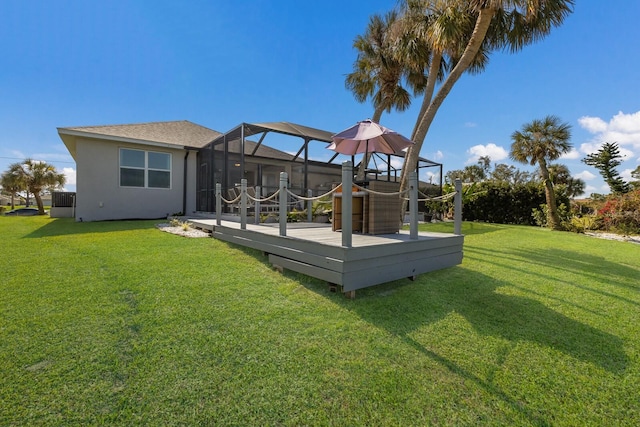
152,170
140,171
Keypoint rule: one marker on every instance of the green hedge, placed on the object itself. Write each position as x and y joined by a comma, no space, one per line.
502,203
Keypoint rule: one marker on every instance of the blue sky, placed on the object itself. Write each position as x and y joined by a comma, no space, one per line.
220,63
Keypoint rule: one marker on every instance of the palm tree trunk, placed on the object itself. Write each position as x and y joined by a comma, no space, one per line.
39,203
552,210
424,121
434,69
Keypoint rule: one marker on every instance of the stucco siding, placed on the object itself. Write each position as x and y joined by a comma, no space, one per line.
100,196
192,178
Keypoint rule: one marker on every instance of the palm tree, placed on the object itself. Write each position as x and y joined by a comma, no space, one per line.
485,163
37,176
466,31
537,143
560,175
12,185
377,73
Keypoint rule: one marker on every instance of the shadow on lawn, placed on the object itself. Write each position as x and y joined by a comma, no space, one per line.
472,295
584,265
401,310
67,226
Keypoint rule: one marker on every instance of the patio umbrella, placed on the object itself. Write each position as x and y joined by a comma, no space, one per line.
368,136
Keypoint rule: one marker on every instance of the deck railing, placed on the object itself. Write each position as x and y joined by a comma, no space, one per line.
244,199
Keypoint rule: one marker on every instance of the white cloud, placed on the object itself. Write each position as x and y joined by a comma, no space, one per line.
397,162
439,155
572,155
18,154
431,177
470,125
626,123
621,128
492,150
585,175
602,189
590,189
593,124
626,154
70,174
626,175
590,147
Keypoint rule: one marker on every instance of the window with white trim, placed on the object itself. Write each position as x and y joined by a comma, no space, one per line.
146,169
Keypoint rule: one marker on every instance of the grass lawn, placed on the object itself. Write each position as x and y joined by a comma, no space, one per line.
119,323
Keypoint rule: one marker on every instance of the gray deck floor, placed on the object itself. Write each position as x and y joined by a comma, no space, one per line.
315,250
320,233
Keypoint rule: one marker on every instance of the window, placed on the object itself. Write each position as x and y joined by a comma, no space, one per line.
148,169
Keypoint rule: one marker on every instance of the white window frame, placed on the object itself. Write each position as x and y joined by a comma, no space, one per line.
146,168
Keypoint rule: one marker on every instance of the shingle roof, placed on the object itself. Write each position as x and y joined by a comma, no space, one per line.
182,133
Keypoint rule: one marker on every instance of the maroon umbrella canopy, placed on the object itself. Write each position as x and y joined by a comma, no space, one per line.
369,137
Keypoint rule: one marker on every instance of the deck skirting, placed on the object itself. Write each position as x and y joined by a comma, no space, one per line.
372,260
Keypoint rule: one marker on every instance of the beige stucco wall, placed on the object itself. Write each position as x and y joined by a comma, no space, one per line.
100,197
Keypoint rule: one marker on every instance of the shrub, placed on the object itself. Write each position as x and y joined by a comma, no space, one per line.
502,203
580,224
621,213
540,216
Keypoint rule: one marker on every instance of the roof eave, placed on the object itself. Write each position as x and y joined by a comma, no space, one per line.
76,133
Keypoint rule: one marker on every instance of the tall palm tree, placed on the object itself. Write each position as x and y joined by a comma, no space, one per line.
538,143
485,163
12,185
37,176
467,31
377,73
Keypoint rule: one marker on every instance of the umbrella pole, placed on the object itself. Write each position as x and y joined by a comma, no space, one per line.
366,158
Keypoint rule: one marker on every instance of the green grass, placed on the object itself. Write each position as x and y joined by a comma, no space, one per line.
119,323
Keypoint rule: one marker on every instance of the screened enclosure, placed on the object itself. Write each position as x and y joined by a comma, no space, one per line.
302,153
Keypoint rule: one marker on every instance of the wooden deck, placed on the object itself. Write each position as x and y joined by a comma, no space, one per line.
317,251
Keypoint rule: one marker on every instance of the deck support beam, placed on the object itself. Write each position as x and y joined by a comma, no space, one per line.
257,205
243,203
347,203
309,205
218,203
413,205
282,199
457,208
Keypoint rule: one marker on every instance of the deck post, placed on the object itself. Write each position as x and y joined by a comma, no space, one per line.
309,205
413,205
282,199
347,203
457,208
218,203
243,204
257,204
